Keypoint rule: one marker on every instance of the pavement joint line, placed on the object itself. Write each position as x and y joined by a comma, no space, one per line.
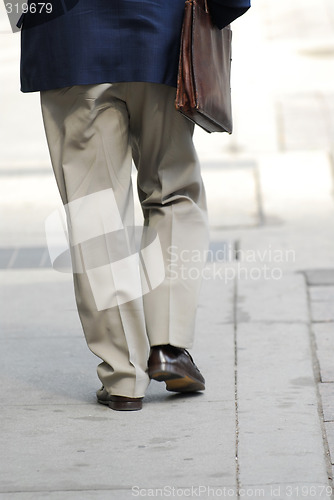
44,259
38,405
235,338
13,258
321,321
279,125
54,337
278,483
317,377
237,226
258,196
37,337
273,322
25,172
321,285
20,257
117,488
331,163
237,249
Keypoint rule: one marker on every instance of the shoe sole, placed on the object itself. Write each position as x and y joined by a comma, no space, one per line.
102,402
176,382
122,405
125,406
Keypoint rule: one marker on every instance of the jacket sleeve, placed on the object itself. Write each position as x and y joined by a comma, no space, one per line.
224,12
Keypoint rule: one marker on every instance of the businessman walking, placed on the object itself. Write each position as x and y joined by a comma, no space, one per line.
106,71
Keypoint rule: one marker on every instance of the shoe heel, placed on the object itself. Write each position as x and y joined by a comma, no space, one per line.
163,372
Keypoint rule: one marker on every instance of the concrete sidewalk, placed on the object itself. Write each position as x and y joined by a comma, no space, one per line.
264,427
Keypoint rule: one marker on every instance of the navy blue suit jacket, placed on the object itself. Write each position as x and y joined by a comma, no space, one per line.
98,41
224,12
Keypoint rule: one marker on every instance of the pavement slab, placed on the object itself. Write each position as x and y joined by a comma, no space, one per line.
280,437
293,183
272,300
233,199
90,447
54,376
318,277
39,303
321,293
330,436
322,311
306,121
327,396
116,493
324,338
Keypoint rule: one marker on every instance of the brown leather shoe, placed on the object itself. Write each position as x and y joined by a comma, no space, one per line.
176,367
119,403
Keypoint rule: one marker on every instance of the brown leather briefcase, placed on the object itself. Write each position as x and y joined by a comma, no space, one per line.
203,87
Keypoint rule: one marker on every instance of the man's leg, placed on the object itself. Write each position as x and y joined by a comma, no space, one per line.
173,200
87,132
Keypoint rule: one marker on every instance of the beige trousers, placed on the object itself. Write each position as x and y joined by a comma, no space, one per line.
93,133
